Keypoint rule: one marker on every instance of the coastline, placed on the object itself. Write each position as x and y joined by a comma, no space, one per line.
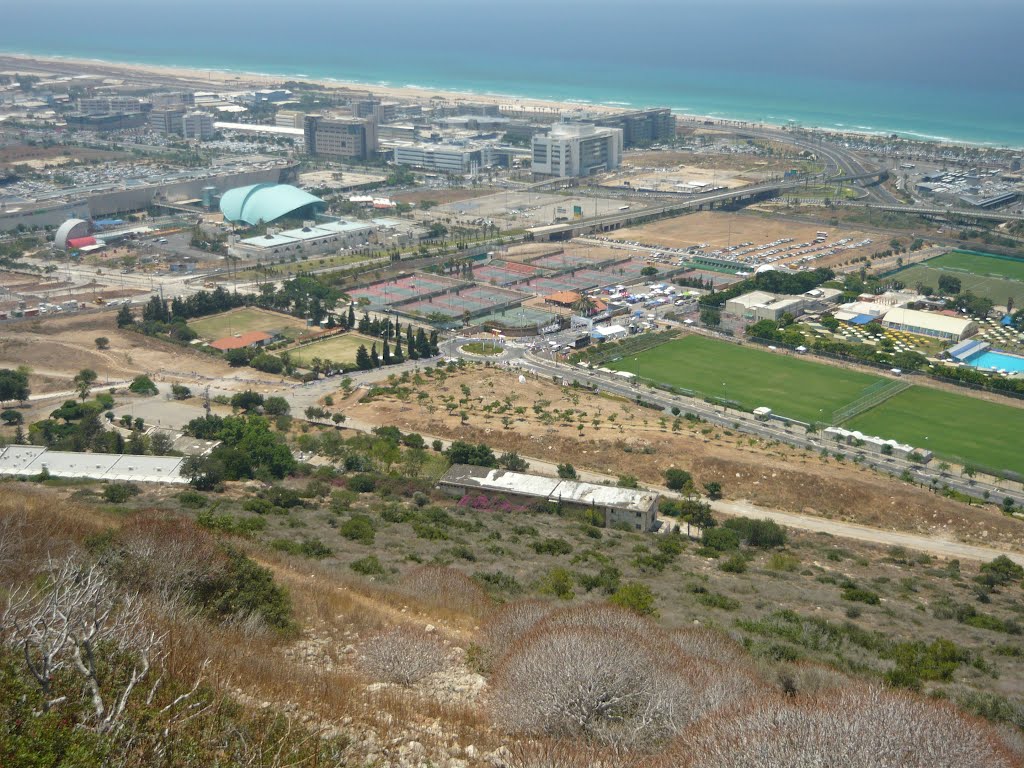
196,77
245,79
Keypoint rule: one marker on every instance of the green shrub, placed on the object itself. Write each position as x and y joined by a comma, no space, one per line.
143,385
259,506
367,566
280,496
764,534
917,661
677,479
635,597
498,582
783,562
720,539
713,600
312,548
735,564
192,499
552,546
358,528
557,582
606,580
246,588
229,524
861,595
463,552
341,501
362,483
1000,571
119,493
428,531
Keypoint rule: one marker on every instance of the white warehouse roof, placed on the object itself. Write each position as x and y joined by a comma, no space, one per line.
29,460
552,489
955,326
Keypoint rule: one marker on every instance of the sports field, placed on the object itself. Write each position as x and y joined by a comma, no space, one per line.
991,276
790,386
956,427
247,319
337,349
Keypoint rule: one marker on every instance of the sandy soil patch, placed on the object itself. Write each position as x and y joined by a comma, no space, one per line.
56,349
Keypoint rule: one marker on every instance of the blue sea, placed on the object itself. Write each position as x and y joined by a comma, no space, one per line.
931,69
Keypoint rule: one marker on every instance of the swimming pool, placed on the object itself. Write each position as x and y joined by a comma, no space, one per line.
998,360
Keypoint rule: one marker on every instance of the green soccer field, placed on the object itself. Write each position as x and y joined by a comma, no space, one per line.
992,277
337,349
790,386
992,266
956,427
247,319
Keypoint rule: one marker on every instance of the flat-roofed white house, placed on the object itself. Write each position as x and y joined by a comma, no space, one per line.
621,507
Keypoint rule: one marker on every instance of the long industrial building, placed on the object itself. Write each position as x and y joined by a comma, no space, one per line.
930,324
308,240
32,460
575,149
636,509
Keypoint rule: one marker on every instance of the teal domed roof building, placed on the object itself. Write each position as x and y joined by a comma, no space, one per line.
264,203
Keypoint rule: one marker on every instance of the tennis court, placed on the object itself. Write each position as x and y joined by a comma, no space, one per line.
475,299
404,288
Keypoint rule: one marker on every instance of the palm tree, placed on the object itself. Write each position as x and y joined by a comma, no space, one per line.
584,305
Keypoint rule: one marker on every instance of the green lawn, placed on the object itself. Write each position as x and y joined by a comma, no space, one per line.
247,319
957,427
993,266
483,348
338,349
790,386
989,276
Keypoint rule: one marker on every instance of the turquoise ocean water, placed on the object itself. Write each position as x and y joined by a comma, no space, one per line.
939,69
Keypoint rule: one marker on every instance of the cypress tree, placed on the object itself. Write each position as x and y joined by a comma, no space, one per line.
386,354
363,358
374,357
410,343
422,344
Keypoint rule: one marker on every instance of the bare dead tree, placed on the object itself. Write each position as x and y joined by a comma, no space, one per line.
856,727
601,616
511,622
79,621
402,655
606,686
554,753
709,643
166,556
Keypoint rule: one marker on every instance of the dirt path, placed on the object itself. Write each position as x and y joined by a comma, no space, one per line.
931,544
